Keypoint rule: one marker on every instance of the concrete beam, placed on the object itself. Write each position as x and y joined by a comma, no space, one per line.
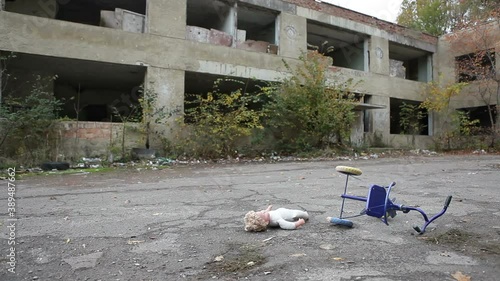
1,77
276,5
167,18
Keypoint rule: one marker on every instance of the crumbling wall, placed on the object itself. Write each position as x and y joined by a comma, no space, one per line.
211,36
96,139
123,20
365,19
258,46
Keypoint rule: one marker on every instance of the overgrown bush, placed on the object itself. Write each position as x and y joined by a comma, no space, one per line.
215,123
27,124
305,113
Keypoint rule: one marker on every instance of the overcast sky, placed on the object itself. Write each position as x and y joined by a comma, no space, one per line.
383,9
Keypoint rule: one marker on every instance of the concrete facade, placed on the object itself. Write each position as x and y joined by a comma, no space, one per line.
241,39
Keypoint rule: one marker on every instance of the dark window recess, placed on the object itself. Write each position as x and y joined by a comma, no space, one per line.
396,116
89,11
482,114
95,112
476,66
367,116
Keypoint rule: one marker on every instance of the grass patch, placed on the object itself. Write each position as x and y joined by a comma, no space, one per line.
66,172
453,236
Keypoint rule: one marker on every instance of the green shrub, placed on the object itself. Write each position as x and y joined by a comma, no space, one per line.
215,124
27,125
304,113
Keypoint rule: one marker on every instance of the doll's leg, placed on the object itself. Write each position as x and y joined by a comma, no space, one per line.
301,215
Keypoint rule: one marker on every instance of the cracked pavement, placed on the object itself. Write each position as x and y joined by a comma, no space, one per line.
171,224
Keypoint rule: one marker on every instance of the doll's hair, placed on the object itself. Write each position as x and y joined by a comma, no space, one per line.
254,222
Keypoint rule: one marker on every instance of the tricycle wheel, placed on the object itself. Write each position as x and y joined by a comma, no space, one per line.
343,222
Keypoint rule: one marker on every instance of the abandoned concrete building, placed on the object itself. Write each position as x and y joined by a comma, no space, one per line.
102,51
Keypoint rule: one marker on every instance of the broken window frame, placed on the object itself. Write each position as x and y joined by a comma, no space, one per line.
476,66
357,46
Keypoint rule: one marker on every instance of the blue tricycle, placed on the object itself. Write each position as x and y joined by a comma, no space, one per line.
378,203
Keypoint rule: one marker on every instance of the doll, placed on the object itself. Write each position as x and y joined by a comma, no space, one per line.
284,218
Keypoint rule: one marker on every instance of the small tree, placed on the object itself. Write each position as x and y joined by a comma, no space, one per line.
151,112
305,113
456,123
438,17
129,116
431,16
477,65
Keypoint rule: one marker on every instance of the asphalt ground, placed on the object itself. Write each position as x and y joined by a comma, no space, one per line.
186,223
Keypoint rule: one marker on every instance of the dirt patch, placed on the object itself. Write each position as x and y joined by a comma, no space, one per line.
465,241
238,258
453,237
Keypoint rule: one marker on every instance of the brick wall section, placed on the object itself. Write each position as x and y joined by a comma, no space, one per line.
365,19
90,130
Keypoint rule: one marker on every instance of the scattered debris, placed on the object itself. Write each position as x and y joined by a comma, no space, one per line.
298,255
219,258
327,246
91,162
134,242
268,239
459,276
58,166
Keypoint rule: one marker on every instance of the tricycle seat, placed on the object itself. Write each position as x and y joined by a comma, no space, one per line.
375,203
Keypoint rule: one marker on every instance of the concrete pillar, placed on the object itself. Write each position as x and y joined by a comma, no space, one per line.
292,35
381,119
497,60
379,55
167,18
169,85
1,76
229,22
